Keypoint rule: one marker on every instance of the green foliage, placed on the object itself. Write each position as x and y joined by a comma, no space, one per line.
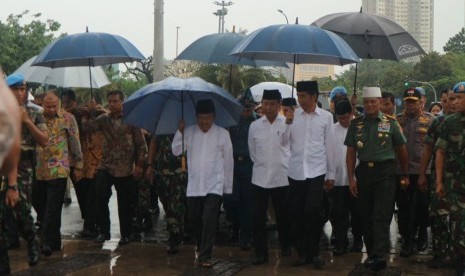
20,41
432,66
456,44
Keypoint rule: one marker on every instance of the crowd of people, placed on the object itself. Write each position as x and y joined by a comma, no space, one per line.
294,163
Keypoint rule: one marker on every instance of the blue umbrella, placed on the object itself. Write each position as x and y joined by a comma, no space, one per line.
158,107
297,44
88,49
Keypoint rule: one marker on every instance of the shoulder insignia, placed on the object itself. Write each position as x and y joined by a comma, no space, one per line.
390,117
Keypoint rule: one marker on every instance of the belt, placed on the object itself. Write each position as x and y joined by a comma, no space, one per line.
372,164
241,158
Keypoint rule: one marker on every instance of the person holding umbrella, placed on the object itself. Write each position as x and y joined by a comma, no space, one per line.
311,170
211,166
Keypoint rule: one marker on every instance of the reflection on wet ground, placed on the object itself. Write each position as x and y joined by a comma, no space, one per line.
84,257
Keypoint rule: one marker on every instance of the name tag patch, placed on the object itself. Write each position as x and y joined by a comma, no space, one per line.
384,127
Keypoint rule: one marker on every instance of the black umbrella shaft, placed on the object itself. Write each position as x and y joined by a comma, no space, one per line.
90,80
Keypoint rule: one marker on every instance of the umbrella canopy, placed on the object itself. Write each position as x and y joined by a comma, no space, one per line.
371,36
297,44
215,48
158,107
64,76
257,90
88,49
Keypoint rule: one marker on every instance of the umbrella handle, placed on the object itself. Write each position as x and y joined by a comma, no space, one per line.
183,163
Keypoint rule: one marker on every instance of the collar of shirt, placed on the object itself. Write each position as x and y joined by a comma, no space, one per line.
116,116
379,117
317,111
265,120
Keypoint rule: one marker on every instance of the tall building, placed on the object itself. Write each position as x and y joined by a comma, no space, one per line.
416,16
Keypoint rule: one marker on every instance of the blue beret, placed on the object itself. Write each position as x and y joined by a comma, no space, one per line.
459,87
15,80
422,91
338,90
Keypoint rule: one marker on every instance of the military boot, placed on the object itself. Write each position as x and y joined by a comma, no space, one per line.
4,262
33,251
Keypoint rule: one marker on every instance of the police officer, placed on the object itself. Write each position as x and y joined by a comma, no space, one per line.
375,139
412,202
450,173
34,132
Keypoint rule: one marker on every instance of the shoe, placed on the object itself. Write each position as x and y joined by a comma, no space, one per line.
147,224
13,244
260,260
286,252
37,225
33,252
407,250
67,201
205,263
172,249
369,261
357,246
302,261
124,241
101,238
4,262
339,251
318,262
438,262
46,250
422,245
155,211
86,233
378,264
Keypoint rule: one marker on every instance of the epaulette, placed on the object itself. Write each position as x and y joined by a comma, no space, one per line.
390,117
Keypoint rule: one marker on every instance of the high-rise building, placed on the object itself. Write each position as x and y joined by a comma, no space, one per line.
416,16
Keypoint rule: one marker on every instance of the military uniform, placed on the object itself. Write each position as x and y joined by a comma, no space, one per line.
452,141
412,203
374,140
170,183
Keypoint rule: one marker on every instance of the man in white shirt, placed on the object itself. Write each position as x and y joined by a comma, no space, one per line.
269,177
211,166
343,206
311,171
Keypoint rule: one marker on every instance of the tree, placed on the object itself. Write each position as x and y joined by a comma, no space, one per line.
456,44
19,42
432,66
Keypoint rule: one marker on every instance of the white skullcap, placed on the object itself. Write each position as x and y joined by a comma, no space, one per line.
371,92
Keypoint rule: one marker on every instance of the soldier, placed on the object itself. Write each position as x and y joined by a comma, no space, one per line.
375,139
413,203
439,212
239,203
450,173
388,105
170,180
34,132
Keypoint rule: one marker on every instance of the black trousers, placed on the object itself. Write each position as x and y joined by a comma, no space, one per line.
308,214
51,224
203,214
123,186
413,208
279,198
86,197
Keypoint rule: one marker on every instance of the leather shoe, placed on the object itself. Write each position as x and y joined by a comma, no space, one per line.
260,260
422,245
378,265
46,250
318,262
339,251
302,261
101,238
357,246
286,252
33,252
124,241
369,261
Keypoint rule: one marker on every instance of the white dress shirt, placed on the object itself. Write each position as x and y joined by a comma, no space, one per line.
210,160
269,155
311,138
340,133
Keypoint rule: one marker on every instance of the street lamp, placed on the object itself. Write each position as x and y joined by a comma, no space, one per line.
281,12
427,83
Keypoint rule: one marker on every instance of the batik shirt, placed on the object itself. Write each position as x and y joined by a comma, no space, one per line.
123,145
63,148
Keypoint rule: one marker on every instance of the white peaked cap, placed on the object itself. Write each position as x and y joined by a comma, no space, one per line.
371,92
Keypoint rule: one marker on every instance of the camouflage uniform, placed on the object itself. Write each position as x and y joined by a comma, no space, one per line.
439,211
452,141
22,211
170,183
4,259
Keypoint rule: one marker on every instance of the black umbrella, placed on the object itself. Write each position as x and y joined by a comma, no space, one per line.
371,36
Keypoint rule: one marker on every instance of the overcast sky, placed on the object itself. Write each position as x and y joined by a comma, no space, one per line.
134,19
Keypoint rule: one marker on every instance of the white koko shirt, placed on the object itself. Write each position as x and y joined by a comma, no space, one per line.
311,139
269,155
340,133
209,160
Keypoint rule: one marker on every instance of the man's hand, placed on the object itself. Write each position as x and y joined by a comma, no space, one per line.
353,187
24,116
289,116
422,182
329,185
181,126
138,171
11,197
77,175
440,189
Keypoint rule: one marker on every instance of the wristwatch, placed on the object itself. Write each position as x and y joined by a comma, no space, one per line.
13,187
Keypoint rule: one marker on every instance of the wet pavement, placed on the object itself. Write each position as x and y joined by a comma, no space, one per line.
148,256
